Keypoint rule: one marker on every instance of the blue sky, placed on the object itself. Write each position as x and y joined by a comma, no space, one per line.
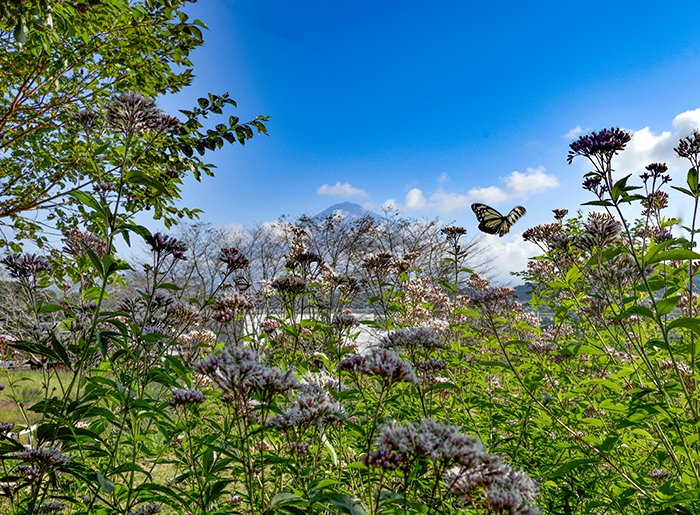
430,107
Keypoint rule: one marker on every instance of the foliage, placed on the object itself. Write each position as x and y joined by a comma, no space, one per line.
69,73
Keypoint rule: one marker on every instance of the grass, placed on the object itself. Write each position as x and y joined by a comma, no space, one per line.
23,388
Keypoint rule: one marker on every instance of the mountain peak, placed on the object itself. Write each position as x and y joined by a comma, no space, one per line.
347,210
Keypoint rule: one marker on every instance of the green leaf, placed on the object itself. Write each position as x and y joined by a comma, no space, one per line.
106,485
673,255
665,306
692,181
691,323
572,465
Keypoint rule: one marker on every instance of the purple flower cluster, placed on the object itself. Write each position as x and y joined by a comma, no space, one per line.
183,397
77,241
164,245
44,458
147,509
507,490
414,338
233,259
598,145
381,363
131,112
313,407
25,266
238,371
433,441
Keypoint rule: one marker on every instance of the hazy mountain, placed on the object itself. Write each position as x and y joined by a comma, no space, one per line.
348,210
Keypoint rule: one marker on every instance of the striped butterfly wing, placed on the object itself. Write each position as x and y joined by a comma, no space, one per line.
512,217
493,222
490,220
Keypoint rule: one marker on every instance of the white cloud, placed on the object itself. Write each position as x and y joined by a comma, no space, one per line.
488,195
573,133
506,255
685,123
415,199
445,202
534,180
341,189
444,178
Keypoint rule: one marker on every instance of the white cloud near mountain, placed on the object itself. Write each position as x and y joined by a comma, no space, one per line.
341,189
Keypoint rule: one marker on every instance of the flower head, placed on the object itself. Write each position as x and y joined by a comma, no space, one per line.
147,509
24,266
164,245
599,144
131,112
183,397
380,363
689,148
233,259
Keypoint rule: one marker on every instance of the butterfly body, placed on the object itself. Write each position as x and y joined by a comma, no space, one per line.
493,222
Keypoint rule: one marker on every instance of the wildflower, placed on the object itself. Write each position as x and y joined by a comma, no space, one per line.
689,148
303,260
432,441
505,487
453,233
385,459
345,320
559,214
229,305
476,282
547,236
164,245
289,285
147,509
44,458
6,427
654,202
269,326
233,259
600,230
237,371
182,397
656,171
381,363
168,124
413,338
377,262
24,266
77,241
594,184
599,145
658,474
131,112
312,407
51,507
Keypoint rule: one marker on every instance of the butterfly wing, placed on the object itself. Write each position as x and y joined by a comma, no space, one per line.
490,220
512,217
493,222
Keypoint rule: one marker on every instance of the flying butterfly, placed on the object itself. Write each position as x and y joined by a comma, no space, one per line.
493,222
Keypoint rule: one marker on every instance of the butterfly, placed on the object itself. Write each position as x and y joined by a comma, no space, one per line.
493,222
